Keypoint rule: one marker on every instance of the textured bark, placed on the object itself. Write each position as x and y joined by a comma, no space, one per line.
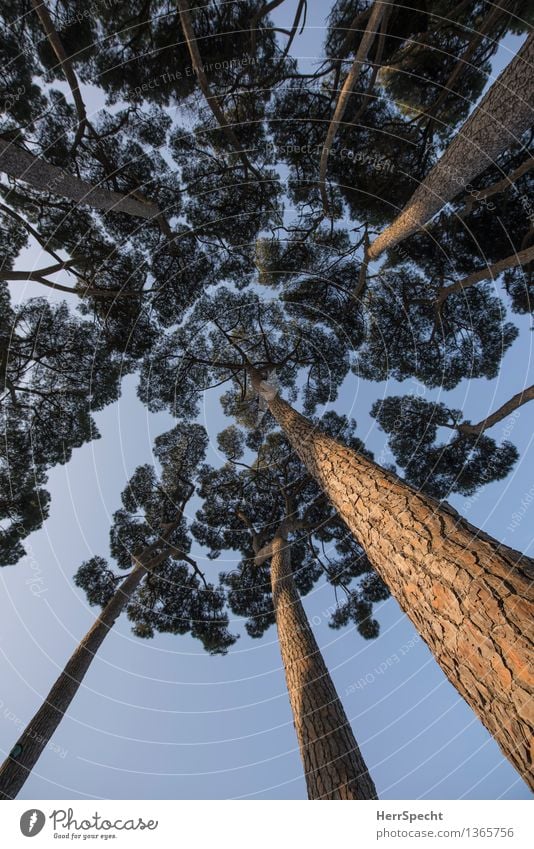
500,119
333,765
489,271
517,401
469,597
44,177
37,734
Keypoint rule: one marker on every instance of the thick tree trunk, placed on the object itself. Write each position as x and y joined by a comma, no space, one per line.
470,597
333,765
44,177
500,119
37,734
503,411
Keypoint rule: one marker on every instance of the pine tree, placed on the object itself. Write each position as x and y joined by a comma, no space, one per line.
498,121
273,512
469,596
163,591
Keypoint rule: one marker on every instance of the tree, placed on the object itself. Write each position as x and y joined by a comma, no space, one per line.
498,121
377,19
406,336
487,231
272,511
469,597
464,462
222,334
164,590
18,163
55,371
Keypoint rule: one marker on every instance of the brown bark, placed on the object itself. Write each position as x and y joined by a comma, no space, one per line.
40,175
517,401
470,597
18,765
333,765
500,119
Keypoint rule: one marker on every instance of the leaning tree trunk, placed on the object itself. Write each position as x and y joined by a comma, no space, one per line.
468,596
500,119
333,765
37,734
44,177
524,257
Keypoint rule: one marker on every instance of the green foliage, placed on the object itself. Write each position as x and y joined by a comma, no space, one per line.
243,506
174,596
462,463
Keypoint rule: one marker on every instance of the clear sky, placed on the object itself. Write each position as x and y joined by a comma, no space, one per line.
160,718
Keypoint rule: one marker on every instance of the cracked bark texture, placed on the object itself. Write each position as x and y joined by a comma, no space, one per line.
499,121
333,765
37,734
469,597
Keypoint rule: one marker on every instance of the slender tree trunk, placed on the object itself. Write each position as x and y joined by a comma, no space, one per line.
489,271
470,597
465,59
333,765
500,119
37,734
513,404
499,187
211,99
57,46
377,12
52,179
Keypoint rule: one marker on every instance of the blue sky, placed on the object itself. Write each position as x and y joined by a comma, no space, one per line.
161,719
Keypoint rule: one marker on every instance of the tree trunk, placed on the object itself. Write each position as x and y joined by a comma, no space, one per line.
489,271
377,12
44,177
333,765
37,734
469,597
500,119
504,410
